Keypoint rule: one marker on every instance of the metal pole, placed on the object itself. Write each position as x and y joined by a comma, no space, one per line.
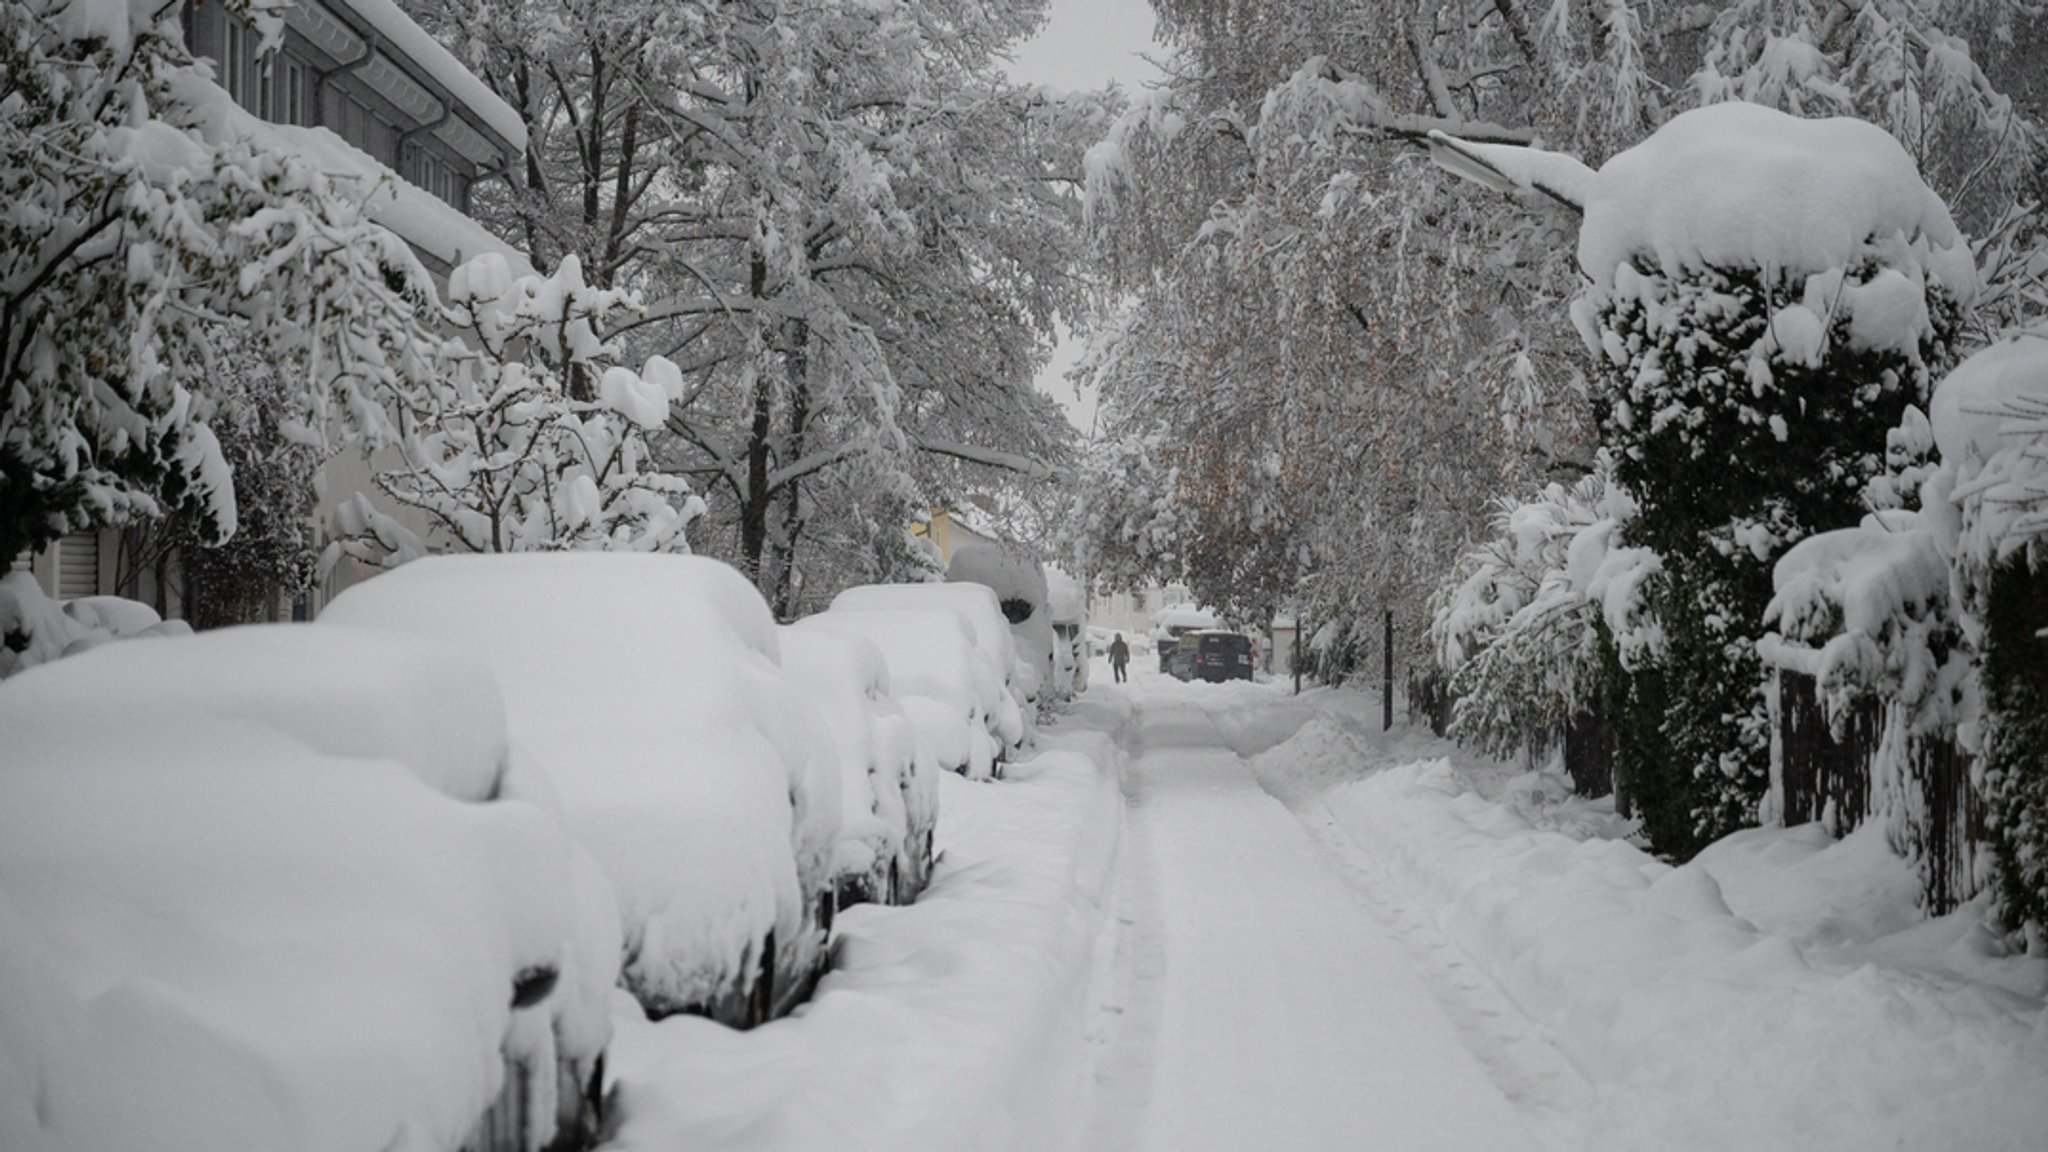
1387,689
1296,659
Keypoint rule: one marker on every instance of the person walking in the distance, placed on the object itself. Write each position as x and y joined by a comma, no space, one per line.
1119,656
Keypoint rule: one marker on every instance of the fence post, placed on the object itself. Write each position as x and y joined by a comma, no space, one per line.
1387,688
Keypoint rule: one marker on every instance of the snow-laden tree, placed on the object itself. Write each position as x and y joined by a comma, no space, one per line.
533,437
137,224
818,203
1269,204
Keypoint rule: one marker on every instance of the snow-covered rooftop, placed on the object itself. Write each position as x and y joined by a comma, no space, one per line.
398,30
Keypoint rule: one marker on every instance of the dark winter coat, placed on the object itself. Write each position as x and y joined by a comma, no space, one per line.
1119,652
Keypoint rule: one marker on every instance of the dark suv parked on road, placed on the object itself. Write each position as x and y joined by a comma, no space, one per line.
1213,655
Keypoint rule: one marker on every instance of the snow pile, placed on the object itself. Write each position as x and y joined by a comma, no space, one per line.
888,798
1778,970
1021,592
35,629
648,688
957,1022
252,925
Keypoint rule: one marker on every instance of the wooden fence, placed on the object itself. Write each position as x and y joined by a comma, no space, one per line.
1921,783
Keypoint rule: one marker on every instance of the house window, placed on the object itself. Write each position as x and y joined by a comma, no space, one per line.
293,107
238,62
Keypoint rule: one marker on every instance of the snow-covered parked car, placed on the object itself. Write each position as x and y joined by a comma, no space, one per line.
964,715
274,888
1024,600
650,689
994,647
888,783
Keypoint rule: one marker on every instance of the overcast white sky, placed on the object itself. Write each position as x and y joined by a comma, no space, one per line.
1086,44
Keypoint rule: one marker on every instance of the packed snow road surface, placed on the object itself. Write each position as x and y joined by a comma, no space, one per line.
1260,1004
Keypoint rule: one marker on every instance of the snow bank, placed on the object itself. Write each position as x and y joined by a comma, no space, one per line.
1021,592
1779,992
957,1022
244,926
648,688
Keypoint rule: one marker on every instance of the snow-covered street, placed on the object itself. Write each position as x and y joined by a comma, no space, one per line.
1260,1003
1223,917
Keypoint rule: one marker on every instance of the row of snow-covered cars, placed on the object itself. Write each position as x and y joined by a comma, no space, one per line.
369,883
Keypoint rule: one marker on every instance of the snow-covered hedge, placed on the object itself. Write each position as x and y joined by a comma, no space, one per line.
278,887
1765,296
648,687
1935,607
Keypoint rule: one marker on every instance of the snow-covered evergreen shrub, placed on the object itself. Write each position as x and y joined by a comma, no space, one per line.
273,552
1767,297
2015,736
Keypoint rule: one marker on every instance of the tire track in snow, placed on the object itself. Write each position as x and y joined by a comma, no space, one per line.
1125,1031
1516,1051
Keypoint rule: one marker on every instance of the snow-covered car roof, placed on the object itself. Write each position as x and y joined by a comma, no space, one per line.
649,688
976,603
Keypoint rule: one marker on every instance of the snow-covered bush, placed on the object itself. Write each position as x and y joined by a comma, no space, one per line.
1521,624
137,225
1938,609
273,552
648,688
276,887
35,629
1766,297
888,787
1020,587
534,438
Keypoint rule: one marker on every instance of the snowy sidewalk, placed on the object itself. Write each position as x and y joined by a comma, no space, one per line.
1261,1006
